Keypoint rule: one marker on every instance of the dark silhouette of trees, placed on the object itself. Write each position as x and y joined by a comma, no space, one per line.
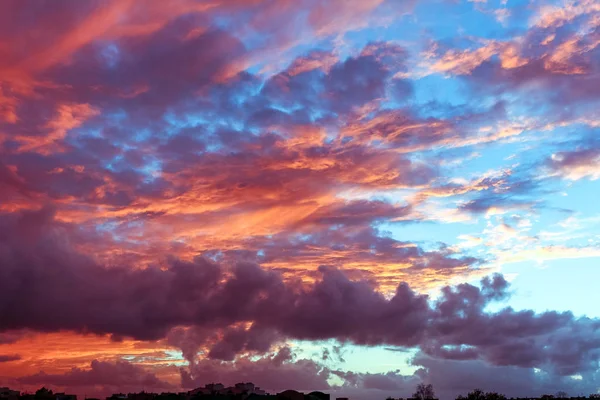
479,394
494,396
424,392
561,395
43,393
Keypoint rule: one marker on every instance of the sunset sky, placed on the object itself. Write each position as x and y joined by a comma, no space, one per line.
352,196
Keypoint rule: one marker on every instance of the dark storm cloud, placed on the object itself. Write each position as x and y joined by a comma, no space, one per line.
47,286
9,357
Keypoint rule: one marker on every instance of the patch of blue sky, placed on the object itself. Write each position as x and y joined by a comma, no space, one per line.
221,22
151,170
453,347
391,102
75,136
242,96
583,109
561,234
403,32
188,120
172,357
112,164
108,227
207,126
360,359
93,132
580,196
135,224
525,104
110,54
142,135
215,256
473,162
255,357
487,22
422,232
460,19
302,237
285,110
316,114
564,138
571,267
214,147
441,96
117,116
89,129
378,359
548,215
259,67
226,123
521,12
556,285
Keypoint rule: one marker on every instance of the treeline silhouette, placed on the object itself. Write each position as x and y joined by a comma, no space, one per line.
426,392
422,392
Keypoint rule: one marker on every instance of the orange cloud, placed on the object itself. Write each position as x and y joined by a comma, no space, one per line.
59,352
69,116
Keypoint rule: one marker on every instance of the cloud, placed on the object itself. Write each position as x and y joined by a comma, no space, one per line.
550,252
448,377
104,377
220,177
465,61
510,189
9,357
554,60
45,276
240,340
69,116
517,338
392,381
316,59
10,337
275,372
288,167
555,16
576,164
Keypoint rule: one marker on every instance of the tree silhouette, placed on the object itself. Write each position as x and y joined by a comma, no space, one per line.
561,395
478,394
494,396
43,393
424,392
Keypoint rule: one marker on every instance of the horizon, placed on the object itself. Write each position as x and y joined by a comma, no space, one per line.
347,196
419,394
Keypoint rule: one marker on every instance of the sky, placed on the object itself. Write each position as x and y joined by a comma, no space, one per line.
352,196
